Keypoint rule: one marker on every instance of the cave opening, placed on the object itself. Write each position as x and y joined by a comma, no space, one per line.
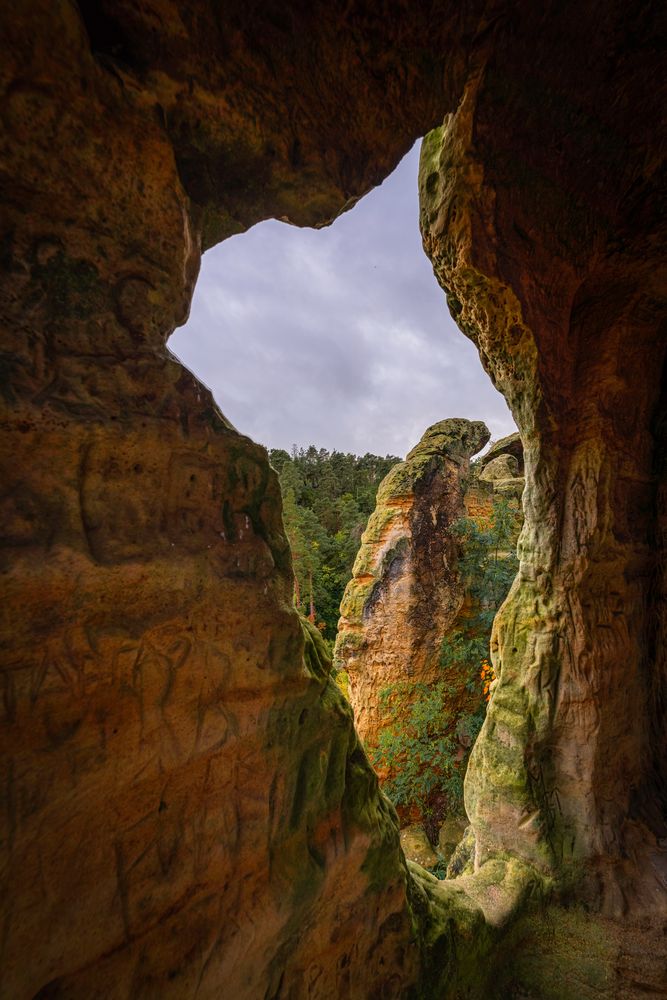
185,805
339,340
338,337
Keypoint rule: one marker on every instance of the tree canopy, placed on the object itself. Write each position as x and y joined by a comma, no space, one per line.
327,500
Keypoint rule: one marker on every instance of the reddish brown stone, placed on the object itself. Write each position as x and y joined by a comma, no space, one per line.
184,807
405,593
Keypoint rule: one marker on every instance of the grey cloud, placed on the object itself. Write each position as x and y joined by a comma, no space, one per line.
337,337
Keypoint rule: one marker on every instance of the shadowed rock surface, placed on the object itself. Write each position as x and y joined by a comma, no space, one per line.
558,289
185,808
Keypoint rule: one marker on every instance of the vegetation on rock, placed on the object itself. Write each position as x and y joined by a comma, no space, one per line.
424,747
405,593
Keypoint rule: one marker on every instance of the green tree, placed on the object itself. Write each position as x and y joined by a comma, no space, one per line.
296,538
327,498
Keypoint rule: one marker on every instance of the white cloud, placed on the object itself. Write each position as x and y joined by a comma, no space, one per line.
337,337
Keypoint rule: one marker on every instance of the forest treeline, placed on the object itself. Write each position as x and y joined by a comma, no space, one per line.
327,500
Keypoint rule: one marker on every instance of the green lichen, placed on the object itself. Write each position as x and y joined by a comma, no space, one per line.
454,438
463,926
401,480
564,953
354,600
348,645
360,594
462,861
377,528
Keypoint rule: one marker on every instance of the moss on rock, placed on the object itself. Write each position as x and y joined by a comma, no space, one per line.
463,925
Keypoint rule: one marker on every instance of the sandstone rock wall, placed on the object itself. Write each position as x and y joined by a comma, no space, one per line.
405,594
184,807
546,267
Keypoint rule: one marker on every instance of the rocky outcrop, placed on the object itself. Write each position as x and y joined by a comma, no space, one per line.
184,807
417,847
502,474
450,836
502,467
498,472
478,498
405,594
407,599
559,291
510,446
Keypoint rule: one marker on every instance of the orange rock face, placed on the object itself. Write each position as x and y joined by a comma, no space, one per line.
184,804
405,593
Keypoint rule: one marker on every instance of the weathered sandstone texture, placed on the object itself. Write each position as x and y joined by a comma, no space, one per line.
502,467
549,267
502,473
505,478
450,835
405,594
417,847
184,807
510,445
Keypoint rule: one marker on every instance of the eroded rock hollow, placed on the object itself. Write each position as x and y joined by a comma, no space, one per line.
184,803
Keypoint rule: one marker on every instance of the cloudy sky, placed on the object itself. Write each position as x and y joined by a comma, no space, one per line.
336,337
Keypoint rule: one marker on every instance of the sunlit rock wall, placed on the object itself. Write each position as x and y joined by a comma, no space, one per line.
405,592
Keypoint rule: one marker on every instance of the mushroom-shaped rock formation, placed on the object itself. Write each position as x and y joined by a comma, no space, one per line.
510,445
502,467
502,473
